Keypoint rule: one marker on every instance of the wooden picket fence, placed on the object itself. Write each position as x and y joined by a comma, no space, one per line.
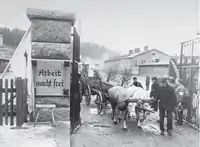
13,101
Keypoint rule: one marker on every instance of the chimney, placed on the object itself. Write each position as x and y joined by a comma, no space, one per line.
137,50
146,48
1,40
130,52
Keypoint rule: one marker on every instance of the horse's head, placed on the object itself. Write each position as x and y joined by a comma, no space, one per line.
122,100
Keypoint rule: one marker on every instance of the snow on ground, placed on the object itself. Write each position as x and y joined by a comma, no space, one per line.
42,135
28,136
99,131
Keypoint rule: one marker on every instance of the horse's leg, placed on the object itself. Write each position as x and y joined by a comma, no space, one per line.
125,120
138,120
113,109
113,105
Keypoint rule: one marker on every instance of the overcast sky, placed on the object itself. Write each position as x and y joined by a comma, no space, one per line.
118,24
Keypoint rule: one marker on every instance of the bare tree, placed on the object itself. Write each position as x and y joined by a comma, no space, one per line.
111,73
125,77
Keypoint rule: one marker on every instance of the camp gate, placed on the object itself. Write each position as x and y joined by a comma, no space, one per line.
189,72
75,95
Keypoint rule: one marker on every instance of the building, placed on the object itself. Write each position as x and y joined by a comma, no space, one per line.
5,55
152,62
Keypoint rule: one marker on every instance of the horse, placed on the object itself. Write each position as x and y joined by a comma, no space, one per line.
119,97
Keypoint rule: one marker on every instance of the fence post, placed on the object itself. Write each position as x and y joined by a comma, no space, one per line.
19,93
24,108
1,107
11,105
6,101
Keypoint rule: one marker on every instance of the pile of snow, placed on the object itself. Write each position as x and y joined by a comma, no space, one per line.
150,124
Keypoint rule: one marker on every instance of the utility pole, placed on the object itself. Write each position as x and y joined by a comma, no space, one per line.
198,17
80,28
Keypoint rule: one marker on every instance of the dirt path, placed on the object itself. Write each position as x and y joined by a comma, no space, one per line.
92,134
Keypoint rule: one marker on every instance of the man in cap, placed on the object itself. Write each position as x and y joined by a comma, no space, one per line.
136,83
167,103
154,92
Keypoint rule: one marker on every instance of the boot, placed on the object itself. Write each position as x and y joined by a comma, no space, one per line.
169,132
162,133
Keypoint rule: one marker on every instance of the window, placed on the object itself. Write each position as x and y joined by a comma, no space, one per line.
142,61
157,60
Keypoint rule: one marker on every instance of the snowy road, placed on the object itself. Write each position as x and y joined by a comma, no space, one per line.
98,131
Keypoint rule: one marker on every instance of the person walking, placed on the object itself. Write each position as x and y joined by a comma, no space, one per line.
154,93
136,83
167,103
181,93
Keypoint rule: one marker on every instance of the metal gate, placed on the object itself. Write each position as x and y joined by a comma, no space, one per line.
75,98
189,71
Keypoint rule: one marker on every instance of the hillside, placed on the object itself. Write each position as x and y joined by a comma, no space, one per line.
91,51
11,37
95,52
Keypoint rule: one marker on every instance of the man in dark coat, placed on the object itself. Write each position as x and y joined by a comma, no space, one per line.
147,82
136,83
154,93
167,103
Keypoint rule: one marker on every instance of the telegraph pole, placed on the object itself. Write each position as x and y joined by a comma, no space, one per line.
198,17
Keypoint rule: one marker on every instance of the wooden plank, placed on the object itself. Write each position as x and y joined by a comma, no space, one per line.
45,106
98,85
25,90
6,101
11,102
18,100
21,103
1,107
9,90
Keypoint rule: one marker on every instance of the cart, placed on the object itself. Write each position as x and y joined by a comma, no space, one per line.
94,86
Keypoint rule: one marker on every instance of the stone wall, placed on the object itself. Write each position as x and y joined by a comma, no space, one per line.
51,34
51,39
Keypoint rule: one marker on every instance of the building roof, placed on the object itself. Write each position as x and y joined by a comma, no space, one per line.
154,64
134,55
6,52
6,59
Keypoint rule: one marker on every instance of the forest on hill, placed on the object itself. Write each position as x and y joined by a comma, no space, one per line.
12,37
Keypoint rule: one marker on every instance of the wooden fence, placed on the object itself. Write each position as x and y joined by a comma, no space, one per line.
13,101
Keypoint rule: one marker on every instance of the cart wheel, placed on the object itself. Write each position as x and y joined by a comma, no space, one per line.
99,103
87,95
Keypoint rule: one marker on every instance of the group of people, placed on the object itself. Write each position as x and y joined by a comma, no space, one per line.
170,97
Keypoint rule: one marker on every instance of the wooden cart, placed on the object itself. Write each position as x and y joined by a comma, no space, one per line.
94,86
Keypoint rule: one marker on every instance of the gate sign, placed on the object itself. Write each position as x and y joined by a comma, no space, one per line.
50,78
